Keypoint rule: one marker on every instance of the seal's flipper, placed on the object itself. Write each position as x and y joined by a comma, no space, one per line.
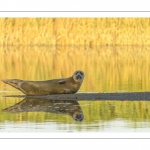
12,82
62,81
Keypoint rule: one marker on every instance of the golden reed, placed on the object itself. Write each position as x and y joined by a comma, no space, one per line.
75,31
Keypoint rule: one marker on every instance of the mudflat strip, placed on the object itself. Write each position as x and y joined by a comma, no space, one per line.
93,96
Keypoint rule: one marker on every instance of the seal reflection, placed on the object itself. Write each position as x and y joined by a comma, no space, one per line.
68,107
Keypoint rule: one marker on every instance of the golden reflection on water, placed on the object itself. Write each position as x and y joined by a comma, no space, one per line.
107,69
94,112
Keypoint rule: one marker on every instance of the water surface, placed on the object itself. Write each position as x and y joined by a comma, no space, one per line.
107,69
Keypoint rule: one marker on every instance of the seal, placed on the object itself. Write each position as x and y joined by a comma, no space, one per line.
68,85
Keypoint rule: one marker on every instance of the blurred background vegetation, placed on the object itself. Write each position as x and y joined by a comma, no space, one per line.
114,54
75,31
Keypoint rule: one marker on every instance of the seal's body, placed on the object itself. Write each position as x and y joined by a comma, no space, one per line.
56,86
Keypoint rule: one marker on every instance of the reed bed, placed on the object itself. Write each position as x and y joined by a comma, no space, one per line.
75,31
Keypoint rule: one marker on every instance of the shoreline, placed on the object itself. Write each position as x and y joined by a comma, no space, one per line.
92,96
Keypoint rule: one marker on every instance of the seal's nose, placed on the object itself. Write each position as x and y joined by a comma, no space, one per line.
78,117
78,77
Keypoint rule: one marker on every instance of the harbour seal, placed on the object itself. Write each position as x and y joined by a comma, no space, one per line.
56,86
66,107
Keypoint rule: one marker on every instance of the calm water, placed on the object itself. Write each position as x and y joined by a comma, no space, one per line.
107,69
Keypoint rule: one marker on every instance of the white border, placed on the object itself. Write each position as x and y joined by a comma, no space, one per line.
74,5
75,14
64,135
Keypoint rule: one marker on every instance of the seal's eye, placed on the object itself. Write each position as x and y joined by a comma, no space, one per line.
81,73
76,72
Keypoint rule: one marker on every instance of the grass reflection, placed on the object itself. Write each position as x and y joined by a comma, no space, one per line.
94,112
107,69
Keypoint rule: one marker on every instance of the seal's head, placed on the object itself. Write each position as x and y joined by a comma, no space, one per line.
78,116
78,76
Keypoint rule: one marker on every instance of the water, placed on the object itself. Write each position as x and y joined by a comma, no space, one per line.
107,69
